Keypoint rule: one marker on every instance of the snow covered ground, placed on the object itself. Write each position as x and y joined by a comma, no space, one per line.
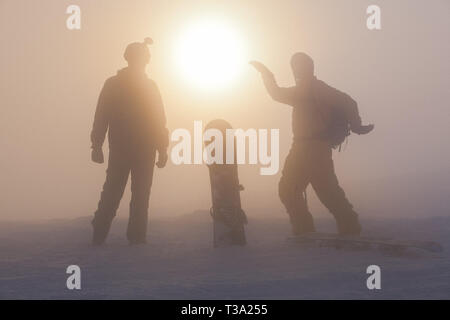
180,263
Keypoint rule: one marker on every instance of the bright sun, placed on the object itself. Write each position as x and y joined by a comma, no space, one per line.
210,54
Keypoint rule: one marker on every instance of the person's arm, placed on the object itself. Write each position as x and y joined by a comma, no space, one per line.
276,92
354,118
100,125
351,110
162,133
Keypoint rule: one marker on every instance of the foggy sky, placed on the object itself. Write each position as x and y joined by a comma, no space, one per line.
51,77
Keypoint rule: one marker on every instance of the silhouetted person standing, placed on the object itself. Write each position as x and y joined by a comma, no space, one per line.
310,158
130,108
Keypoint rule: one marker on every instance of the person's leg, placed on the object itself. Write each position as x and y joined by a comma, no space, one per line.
116,180
291,189
141,182
326,186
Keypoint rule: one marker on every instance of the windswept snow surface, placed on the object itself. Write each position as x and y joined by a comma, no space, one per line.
179,262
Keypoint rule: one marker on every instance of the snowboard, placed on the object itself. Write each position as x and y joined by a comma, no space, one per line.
384,244
226,211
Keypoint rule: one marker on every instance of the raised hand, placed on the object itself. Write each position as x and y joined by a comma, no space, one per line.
260,67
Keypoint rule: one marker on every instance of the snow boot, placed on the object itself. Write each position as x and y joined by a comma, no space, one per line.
101,229
348,225
302,225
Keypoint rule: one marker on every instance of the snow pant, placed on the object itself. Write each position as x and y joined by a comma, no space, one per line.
310,161
120,164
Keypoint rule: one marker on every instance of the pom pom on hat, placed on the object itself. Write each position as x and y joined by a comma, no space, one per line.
137,50
148,41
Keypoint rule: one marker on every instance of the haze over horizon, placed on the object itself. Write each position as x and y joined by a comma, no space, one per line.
399,75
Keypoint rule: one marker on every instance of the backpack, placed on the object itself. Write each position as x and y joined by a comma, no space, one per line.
339,128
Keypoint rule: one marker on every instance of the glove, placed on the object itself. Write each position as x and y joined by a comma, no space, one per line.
162,159
260,67
364,129
97,155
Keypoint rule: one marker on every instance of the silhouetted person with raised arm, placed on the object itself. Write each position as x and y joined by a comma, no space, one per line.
315,106
130,108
